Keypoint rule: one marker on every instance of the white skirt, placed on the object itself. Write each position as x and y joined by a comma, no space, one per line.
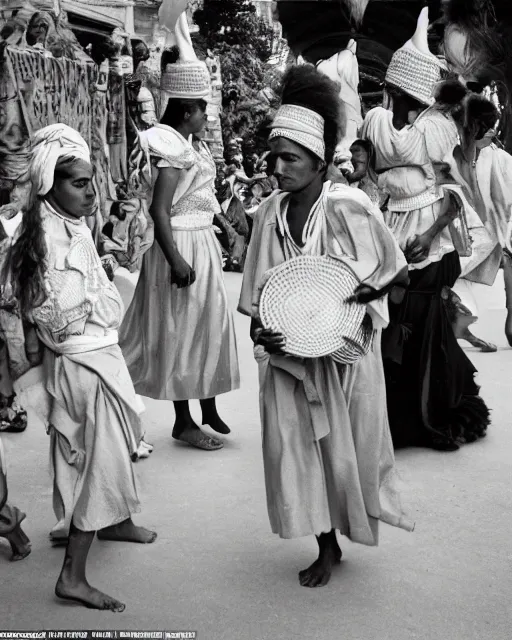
179,344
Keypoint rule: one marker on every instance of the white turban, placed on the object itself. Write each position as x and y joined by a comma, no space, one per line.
49,145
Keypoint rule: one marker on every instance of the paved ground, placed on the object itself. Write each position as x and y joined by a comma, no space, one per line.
217,569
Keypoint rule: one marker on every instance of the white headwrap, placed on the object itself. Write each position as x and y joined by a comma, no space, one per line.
49,145
301,125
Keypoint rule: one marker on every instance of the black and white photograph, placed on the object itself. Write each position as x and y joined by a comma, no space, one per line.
255,319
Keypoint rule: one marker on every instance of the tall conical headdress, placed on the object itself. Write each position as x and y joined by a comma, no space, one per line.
413,68
188,78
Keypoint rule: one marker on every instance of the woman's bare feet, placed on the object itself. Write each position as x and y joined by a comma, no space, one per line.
127,531
82,593
20,544
319,573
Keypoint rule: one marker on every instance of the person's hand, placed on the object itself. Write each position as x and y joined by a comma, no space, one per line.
273,343
363,294
418,247
182,274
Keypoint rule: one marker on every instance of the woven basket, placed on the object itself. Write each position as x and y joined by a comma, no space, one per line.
304,299
355,348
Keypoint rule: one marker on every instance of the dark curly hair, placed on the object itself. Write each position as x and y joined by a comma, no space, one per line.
305,86
473,113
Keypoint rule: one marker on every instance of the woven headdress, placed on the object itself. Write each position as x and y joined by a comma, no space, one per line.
301,125
310,113
188,78
413,68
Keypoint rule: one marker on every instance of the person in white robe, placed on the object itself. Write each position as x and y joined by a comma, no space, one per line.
327,450
88,405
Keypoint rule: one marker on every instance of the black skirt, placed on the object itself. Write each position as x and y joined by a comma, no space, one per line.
432,396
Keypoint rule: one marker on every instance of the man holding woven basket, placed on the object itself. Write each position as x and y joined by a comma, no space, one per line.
318,268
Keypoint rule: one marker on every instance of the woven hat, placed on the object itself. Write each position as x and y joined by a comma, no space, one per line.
188,78
301,125
413,68
304,299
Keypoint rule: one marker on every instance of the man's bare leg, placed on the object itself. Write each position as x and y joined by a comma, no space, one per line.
72,583
319,573
127,531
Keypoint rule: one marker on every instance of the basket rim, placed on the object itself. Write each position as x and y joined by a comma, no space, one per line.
337,266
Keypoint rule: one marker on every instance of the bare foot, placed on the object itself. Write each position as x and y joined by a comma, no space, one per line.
319,573
20,544
485,347
193,436
127,531
217,424
83,593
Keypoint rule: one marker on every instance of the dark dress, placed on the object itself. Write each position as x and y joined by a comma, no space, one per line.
432,396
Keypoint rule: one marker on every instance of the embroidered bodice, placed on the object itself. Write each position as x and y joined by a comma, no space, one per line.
194,203
80,298
198,206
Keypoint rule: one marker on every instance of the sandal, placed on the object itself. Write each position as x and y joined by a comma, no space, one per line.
200,440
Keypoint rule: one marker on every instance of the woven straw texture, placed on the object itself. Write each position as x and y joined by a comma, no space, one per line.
301,125
304,299
187,80
415,73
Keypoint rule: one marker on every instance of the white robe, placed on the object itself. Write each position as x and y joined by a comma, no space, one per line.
327,449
